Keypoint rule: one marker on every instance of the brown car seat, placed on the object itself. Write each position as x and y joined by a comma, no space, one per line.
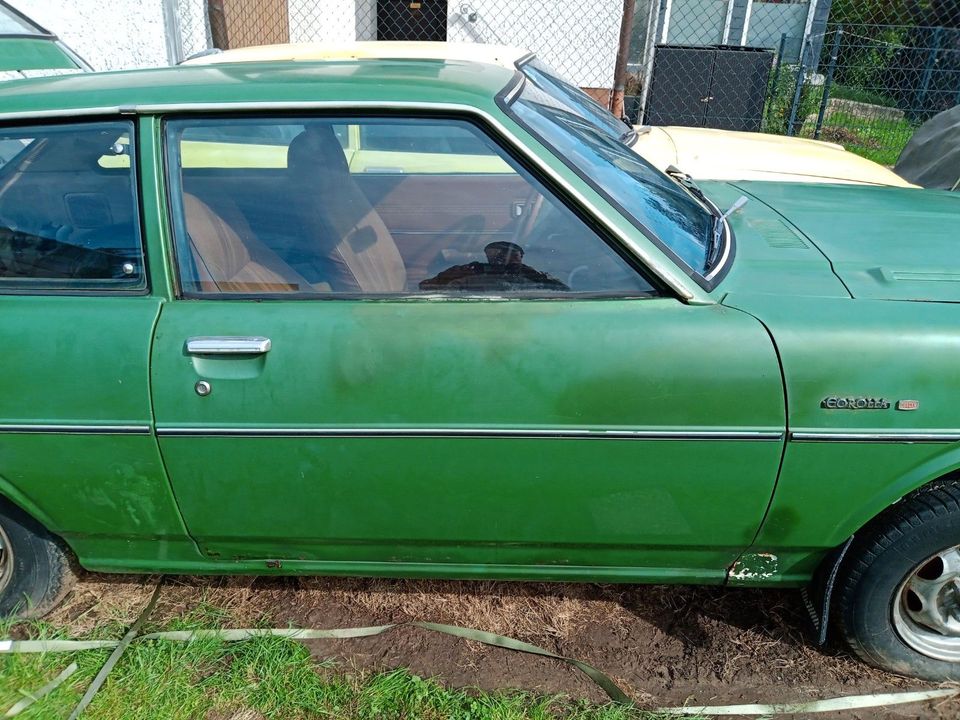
357,252
230,259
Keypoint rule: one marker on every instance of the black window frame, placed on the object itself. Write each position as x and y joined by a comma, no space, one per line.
172,187
135,171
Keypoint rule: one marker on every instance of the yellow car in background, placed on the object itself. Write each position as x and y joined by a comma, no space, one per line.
702,153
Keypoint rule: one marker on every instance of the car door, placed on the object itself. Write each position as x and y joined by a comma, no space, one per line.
511,397
76,323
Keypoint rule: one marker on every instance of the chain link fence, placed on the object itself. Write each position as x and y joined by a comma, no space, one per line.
578,39
864,73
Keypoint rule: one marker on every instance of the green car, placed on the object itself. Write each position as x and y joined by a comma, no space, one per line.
557,363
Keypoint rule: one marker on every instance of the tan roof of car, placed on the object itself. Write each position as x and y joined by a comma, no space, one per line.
502,55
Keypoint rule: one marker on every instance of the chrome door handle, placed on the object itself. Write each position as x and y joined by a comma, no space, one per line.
228,345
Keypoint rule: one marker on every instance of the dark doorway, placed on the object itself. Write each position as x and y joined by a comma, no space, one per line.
411,19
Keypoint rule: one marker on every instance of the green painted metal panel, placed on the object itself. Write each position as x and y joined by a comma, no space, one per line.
33,54
480,367
884,243
857,348
81,361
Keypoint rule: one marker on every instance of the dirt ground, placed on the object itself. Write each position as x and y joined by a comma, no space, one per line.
665,645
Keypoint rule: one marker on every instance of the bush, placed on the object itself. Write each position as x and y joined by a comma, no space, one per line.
780,94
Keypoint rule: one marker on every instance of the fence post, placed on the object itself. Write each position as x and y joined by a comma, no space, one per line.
171,26
801,79
218,24
928,69
650,52
834,53
623,55
772,93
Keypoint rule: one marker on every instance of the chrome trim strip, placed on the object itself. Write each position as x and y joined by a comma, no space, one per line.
667,275
472,433
59,113
877,437
67,429
228,345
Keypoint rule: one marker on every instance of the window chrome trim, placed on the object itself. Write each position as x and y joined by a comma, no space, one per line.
480,432
73,429
667,275
932,436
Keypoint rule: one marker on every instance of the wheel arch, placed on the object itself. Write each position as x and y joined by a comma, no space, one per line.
11,494
941,468
819,595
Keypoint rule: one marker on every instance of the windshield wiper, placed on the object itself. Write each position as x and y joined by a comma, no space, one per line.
716,236
718,222
688,184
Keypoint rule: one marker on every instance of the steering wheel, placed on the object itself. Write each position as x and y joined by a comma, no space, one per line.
573,273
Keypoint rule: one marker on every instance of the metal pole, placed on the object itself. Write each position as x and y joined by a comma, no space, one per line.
171,26
218,24
928,69
725,38
776,75
801,79
834,54
665,28
623,55
746,22
651,52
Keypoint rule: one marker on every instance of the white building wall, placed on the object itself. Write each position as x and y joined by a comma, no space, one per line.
323,20
578,39
108,34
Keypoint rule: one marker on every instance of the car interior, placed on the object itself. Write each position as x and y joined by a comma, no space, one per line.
68,216
64,219
316,227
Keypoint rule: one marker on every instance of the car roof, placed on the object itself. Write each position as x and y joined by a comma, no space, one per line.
503,55
256,83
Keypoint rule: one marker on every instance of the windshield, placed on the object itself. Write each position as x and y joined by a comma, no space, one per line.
576,99
655,203
13,23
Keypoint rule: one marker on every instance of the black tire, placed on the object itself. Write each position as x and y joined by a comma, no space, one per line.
881,558
39,570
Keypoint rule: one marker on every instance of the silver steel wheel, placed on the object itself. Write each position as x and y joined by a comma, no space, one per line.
6,559
926,609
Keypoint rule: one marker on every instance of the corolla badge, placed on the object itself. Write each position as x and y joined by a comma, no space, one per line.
836,402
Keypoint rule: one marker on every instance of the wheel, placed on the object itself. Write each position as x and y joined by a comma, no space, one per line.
35,567
899,591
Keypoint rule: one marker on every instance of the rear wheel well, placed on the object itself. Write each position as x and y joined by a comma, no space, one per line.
819,592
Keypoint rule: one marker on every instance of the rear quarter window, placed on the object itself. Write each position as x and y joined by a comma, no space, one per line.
68,209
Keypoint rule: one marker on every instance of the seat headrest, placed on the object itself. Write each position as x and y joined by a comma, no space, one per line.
316,149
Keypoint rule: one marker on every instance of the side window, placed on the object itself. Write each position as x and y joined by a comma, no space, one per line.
68,209
451,139
462,218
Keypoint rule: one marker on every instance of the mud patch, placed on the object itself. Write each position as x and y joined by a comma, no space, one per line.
665,645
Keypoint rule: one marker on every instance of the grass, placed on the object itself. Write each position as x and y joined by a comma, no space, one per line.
877,139
258,678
